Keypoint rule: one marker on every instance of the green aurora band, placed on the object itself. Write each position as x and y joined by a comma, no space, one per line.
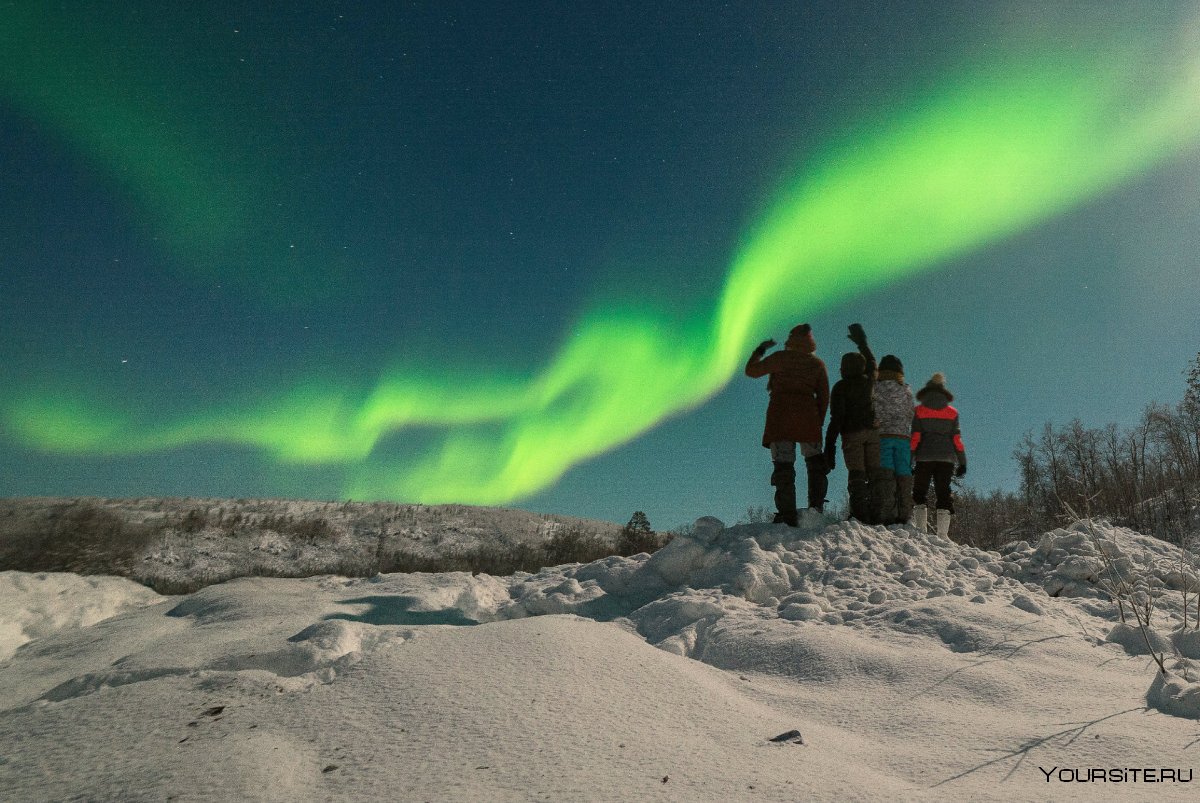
215,202
996,149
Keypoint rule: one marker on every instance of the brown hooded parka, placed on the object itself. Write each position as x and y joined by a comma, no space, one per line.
799,388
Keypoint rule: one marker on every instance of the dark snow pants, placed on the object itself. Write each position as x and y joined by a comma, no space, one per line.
940,472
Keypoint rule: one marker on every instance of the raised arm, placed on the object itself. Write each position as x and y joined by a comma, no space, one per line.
755,366
859,337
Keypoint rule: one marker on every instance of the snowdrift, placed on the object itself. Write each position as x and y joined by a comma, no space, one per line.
892,664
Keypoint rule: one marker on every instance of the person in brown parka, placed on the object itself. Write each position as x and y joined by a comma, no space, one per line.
799,388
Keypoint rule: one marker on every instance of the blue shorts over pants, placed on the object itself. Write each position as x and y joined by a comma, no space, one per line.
894,455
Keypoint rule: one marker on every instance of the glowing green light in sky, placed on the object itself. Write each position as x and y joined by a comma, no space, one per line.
211,200
985,154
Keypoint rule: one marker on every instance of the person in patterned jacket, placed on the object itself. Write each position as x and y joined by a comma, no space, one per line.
937,449
893,417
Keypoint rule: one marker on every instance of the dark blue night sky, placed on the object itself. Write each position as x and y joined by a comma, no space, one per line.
499,253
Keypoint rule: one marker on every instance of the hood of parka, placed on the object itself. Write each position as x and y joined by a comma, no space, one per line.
853,364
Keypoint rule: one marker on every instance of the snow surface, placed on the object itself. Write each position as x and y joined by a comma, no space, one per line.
912,668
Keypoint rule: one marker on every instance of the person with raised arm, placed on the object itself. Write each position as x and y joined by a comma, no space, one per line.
799,388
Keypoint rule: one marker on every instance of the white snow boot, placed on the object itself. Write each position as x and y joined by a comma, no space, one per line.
920,517
943,522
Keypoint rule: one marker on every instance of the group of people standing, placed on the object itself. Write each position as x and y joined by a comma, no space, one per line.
891,448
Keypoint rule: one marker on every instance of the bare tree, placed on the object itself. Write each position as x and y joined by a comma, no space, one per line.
1146,477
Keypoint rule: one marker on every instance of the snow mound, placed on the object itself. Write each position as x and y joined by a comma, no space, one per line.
709,594
848,573
318,652
1176,696
1131,639
1187,643
35,605
1071,562
803,597
835,574
914,668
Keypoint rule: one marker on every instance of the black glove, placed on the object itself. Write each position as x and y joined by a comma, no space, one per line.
763,346
857,335
961,471
830,461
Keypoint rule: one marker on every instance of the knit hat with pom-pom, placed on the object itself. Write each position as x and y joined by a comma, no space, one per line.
936,384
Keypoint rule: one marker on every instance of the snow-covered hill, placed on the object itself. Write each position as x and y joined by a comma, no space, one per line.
185,543
908,668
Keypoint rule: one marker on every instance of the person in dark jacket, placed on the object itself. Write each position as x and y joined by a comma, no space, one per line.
799,388
938,451
852,417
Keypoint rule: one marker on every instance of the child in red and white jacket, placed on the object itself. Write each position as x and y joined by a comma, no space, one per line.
937,451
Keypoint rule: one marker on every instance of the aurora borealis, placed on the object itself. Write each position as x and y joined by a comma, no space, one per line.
280,203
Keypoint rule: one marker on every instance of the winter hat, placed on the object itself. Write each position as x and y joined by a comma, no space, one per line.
936,384
801,339
891,363
853,364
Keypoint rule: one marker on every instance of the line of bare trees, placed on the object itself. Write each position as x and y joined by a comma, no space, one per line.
1146,477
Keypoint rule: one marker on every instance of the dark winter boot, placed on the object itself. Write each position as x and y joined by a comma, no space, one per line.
883,495
904,500
784,480
860,496
818,481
